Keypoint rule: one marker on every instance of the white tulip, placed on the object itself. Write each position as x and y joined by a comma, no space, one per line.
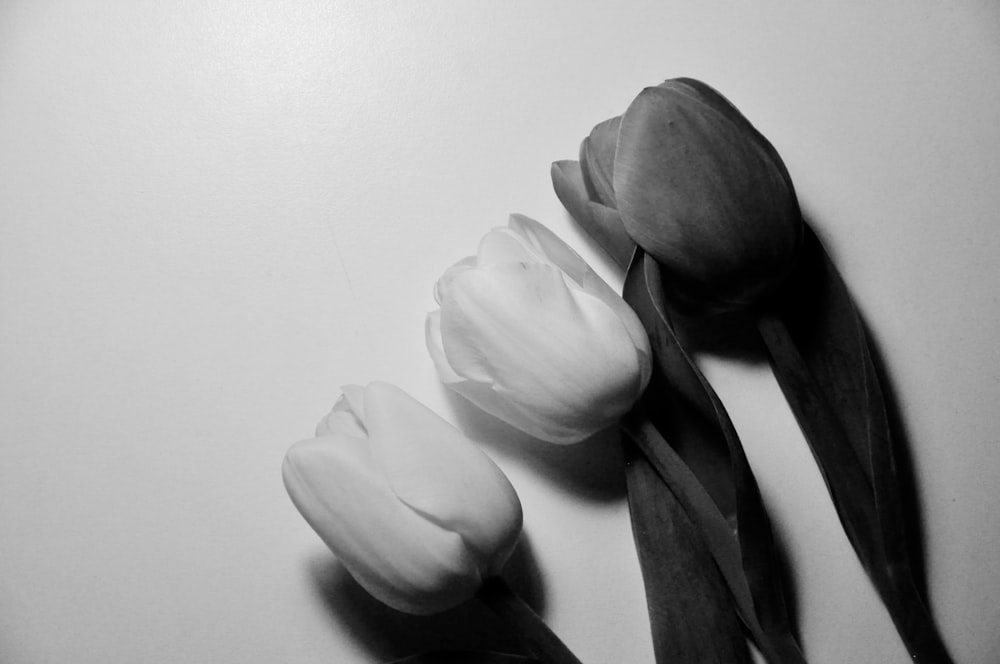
532,335
416,512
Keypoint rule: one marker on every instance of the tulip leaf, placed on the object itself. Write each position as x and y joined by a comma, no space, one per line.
823,361
597,161
536,636
690,611
685,432
465,657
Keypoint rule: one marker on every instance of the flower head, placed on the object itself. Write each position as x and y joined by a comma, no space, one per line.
531,334
415,511
696,186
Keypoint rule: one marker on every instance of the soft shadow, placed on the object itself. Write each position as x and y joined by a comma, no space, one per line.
730,335
593,469
388,634
902,447
790,591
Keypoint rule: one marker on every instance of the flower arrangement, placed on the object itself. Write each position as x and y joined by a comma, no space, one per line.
698,208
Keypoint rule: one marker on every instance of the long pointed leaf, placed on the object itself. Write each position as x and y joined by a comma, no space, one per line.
535,635
690,610
690,440
823,361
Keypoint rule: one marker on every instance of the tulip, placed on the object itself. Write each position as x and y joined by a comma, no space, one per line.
696,186
528,332
586,190
416,512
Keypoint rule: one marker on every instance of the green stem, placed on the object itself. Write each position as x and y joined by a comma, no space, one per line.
540,641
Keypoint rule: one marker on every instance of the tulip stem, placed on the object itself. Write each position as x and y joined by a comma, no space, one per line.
540,641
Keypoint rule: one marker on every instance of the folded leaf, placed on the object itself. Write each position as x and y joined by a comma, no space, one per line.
823,362
535,635
688,437
690,610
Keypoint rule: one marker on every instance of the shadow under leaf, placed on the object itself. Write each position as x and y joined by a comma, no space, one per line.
388,634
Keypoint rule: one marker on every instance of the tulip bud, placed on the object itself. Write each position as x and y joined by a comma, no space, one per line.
586,189
416,512
532,335
698,188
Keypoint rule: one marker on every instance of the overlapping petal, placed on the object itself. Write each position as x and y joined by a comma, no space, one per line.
347,415
413,509
597,161
602,223
435,470
684,175
555,358
700,190
508,316
400,557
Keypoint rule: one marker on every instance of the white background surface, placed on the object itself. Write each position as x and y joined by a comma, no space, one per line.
213,214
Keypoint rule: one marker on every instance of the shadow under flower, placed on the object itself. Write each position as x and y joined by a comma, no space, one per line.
730,335
592,469
388,634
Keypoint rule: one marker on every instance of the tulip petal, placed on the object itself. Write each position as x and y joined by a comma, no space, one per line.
594,285
483,395
440,473
346,417
565,258
701,92
549,247
712,97
355,397
602,223
441,285
399,556
500,245
520,415
435,346
486,398
698,191
580,373
597,159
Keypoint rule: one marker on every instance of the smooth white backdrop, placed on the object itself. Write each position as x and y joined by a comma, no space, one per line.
213,214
